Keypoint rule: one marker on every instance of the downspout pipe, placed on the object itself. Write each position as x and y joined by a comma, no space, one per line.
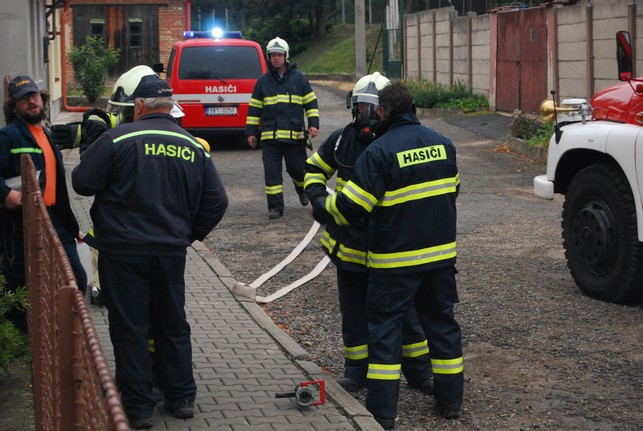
63,65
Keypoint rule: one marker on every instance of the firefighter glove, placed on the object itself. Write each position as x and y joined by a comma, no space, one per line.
65,136
90,131
319,210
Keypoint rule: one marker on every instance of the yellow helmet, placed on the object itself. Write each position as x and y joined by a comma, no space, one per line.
204,143
278,45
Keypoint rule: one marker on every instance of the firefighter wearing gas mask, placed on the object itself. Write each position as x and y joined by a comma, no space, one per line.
347,245
278,103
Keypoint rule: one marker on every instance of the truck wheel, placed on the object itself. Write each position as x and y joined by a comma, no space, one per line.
600,235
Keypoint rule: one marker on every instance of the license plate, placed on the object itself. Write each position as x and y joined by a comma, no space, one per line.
221,110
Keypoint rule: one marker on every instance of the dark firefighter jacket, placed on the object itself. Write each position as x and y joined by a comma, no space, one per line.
408,181
15,140
345,245
278,104
156,188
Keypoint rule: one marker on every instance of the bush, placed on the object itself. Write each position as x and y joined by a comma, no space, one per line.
531,128
91,61
13,344
459,96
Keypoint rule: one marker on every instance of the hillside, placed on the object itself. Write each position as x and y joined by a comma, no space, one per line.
336,54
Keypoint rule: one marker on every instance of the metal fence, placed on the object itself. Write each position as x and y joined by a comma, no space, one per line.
73,385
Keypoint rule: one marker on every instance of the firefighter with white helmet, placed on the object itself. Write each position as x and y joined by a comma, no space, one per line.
156,191
279,101
95,121
347,245
278,45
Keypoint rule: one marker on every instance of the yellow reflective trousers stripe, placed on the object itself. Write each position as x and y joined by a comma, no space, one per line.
447,366
384,371
356,353
274,190
416,349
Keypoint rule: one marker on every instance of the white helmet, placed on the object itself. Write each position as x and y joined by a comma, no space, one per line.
366,91
367,88
278,45
139,81
126,84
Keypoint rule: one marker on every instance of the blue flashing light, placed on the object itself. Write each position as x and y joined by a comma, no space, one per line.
216,33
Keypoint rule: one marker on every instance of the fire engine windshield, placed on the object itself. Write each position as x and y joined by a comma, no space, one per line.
219,62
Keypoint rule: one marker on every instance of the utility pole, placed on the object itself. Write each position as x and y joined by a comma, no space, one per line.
360,39
343,12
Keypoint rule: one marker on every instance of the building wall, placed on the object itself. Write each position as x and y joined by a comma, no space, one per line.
581,47
172,24
480,58
22,49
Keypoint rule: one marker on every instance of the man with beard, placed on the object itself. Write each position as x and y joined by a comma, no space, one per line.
24,134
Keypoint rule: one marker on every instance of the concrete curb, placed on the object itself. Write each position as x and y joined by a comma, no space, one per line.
342,77
520,146
345,401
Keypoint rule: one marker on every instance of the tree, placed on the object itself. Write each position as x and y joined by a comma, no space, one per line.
91,61
320,20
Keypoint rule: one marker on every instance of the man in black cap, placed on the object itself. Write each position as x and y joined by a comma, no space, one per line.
156,191
24,134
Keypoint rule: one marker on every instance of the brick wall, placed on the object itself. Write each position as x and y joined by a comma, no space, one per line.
69,41
171,27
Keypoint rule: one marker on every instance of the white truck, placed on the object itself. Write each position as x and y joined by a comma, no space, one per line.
595,159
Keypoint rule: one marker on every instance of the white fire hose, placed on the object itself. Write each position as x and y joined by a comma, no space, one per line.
250,291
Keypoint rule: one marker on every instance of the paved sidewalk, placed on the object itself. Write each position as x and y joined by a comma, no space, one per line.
241,359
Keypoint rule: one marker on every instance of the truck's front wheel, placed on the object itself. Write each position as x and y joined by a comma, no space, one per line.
600,235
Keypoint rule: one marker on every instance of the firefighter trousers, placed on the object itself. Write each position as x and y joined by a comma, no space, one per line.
433,294
352,287
273,155
146,294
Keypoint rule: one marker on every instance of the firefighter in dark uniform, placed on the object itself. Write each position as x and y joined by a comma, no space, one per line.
156,191
277,106
347,245
406,183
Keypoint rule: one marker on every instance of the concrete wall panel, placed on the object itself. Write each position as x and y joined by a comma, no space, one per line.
572,52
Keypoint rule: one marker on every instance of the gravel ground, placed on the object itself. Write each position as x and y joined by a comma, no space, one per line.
538,354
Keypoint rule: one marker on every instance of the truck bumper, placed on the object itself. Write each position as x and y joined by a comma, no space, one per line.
543,188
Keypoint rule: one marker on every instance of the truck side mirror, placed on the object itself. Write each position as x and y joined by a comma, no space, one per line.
624,55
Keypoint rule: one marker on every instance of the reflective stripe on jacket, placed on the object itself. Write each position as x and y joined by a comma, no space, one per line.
15,140
346,245
407,181
278,104
156,188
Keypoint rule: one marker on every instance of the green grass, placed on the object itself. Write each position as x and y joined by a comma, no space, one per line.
336,53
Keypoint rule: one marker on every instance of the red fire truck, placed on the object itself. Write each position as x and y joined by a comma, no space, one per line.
212,75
